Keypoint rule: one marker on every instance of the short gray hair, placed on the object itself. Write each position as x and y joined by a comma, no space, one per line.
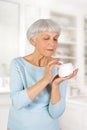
42,25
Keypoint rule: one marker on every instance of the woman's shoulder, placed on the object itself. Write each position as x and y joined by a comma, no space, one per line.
17,61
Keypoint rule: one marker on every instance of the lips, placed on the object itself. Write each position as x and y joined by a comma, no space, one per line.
50,49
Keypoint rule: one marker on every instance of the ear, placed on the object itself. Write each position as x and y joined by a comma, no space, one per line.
33,42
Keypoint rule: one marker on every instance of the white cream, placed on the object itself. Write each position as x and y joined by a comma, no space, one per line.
65,69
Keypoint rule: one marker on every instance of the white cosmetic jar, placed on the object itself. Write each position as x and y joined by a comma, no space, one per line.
65,69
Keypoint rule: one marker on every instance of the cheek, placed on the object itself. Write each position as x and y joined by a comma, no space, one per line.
56,44
43,45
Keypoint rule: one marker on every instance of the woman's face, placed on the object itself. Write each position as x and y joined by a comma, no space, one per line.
46,43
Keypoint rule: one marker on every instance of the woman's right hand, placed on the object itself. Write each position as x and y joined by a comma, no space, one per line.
48,71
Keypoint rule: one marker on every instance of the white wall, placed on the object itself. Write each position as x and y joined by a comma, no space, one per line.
4,110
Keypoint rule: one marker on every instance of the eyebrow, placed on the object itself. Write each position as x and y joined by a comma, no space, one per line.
49,35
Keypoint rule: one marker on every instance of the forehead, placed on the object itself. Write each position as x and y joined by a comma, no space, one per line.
47,33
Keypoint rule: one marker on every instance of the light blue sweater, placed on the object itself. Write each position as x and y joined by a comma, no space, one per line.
26,114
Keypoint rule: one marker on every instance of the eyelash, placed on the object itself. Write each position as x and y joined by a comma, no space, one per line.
55,39
48,39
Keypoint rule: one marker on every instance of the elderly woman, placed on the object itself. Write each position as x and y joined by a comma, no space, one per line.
37,92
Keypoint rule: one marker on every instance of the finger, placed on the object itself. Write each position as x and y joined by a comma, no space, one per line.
75,72
54,61
60,62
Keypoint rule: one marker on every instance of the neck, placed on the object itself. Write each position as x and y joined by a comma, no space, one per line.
38,59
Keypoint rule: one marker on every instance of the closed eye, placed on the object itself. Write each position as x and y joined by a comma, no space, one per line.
46,38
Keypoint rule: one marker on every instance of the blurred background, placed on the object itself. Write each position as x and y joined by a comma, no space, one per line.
15,17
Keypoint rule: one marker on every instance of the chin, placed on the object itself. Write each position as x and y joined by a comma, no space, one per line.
48,55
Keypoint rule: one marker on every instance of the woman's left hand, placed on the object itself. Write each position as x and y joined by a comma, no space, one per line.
57,80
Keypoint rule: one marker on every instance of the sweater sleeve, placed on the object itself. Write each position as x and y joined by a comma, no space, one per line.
56,110
18,94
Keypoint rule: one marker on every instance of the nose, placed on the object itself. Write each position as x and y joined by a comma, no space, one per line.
51,43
